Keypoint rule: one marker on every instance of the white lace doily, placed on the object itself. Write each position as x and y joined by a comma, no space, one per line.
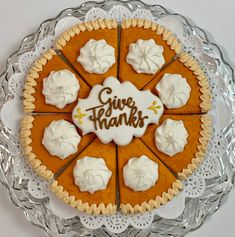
194,185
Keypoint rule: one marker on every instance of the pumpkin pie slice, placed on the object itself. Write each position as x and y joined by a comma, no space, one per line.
183,163
34,100
200,96
100,202
32,130
139,29
166,187
75,38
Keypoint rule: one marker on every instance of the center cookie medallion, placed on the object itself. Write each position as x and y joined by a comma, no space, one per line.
117,111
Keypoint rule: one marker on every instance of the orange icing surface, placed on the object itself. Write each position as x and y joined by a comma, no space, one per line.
194,101
53,163
95,149
179,161
131,35
136,149
72,50
56,64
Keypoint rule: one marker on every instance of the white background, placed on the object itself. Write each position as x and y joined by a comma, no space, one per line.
20,18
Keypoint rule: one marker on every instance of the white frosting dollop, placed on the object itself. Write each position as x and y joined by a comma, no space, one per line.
91,174
173,90
171,137
145,56
60,88
96,56
61,138
140,174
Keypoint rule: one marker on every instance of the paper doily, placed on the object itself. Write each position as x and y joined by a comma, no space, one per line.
194,185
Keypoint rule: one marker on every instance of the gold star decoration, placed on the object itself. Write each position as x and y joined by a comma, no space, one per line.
154,107
79,116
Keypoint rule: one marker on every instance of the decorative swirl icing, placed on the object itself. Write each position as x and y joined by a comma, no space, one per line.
96,56
173,90
61,139
60,88
171,137
145,56
140,174
91,174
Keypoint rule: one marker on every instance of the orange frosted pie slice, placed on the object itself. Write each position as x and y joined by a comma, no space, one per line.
162,191
145,48
171,137
183,68
32,135
58,76
92,49
93,167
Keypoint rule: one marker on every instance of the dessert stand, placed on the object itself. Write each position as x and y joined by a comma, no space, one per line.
203,190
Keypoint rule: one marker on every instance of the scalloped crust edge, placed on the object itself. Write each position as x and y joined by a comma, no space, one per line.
36,164
59,191
167,35
189,61
84,26
31,80
202,148
153,203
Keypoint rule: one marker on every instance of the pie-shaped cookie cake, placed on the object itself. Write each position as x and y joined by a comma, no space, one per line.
116,116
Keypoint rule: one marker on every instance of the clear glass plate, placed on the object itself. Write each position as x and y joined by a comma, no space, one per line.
196,210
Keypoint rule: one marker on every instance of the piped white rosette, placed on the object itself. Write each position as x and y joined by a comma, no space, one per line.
173,90
117,111
145,56
61,139
91,174
96,56
140,174
60,88
171,137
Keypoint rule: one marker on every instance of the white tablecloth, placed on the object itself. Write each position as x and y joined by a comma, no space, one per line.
19,18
